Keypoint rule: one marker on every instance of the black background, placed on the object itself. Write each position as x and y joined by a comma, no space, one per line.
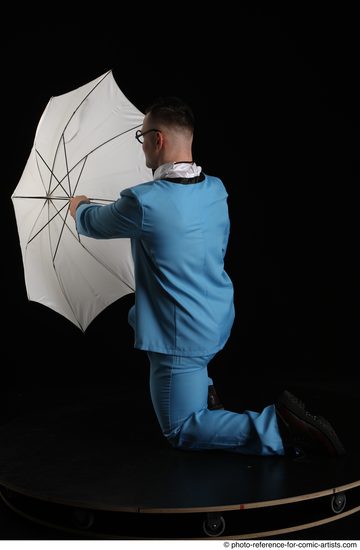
277,119
275,97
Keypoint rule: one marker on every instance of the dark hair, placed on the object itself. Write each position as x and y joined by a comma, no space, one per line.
171,111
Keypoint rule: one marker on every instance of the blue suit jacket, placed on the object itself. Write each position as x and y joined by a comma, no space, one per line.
179,234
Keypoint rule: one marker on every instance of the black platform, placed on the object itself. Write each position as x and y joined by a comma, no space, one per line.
91,467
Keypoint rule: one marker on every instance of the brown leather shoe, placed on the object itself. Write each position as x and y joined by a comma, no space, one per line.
213,399
303,431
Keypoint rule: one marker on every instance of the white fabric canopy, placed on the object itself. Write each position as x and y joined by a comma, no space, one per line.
84,144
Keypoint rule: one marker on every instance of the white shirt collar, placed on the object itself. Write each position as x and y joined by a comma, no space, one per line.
177,170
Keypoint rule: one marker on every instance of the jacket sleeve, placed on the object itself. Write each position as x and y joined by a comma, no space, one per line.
123,218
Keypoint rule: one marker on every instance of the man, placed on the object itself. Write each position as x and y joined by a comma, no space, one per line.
184,310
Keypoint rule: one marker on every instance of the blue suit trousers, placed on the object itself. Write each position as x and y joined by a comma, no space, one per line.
179,392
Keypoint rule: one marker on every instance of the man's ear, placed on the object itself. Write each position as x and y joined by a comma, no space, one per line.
159,140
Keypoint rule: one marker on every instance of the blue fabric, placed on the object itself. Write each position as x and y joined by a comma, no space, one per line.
179,235
184,308
179,390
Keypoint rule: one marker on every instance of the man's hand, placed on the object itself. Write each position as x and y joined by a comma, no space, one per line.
75,201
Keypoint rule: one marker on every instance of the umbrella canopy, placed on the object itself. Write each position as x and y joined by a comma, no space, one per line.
84,144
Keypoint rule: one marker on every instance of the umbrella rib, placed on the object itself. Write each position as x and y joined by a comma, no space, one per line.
81,171
77,237
38,168
67,212
103,264
84,158
63,174
77,183
52,169
47,223
46,198
96,148
62,228
52,174
62,286
112,138
66,162
116,275
62,137
83,100
63,289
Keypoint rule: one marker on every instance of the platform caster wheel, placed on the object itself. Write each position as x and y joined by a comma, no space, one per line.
82,519
214,525
338,502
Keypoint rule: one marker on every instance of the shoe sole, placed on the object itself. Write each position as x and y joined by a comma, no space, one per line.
291,404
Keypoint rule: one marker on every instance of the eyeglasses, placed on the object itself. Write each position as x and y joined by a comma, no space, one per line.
140,135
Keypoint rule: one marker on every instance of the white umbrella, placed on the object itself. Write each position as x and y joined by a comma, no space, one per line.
84,144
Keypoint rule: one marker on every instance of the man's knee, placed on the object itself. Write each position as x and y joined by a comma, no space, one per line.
176,443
